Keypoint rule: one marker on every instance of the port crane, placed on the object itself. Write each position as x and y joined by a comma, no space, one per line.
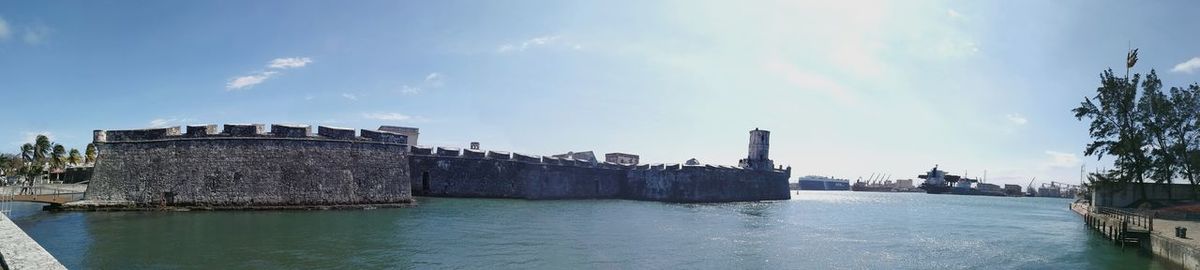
1029,188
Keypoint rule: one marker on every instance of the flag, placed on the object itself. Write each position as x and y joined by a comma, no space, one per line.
1131,58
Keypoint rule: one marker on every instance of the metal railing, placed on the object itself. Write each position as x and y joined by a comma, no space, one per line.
1129,217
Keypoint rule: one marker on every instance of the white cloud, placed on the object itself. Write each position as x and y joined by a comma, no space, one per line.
405,89
387,116
542,41
1016,118
349,96
432,81
1061,160
248,81
5,31
36,34
809,81
309,97
165,122
291,62
953,14
1188,66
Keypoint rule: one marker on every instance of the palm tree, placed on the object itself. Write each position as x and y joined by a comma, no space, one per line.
41,148
58,157
27,152
58,160
73,157
89,155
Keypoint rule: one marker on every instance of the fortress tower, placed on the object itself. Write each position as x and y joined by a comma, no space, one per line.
760,143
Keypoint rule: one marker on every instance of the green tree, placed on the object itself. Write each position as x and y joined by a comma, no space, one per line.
89,155
41,148
74,158
1117,129
58,157
11,164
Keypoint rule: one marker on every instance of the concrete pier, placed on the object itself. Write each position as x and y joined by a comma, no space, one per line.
18,251
1154,235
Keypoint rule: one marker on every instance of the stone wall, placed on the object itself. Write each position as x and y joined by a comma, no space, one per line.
246,167
18,251
447,172
1126,195
682,183
498,175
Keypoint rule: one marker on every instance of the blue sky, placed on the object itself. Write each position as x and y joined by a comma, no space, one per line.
848,88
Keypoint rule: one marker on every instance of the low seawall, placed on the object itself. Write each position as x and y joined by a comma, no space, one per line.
1173,250
1157,241
244,167
18,251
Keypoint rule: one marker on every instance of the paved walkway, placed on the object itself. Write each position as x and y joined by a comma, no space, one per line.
18,251
1166,227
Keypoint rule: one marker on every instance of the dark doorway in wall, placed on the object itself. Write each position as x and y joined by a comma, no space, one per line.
424,182
597,188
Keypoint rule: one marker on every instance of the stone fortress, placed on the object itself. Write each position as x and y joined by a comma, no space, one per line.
244,166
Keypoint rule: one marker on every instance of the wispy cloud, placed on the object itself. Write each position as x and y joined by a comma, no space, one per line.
808,81
166,122
5,31
1016,118
36,34
1188,66
249,81
290,62
542,41
431,81
392,116
1061,160
349,96
953,14
33,33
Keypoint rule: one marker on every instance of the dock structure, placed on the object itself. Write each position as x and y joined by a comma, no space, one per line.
18,251
1121,226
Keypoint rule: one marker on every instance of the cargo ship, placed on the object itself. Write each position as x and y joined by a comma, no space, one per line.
814,182
938,182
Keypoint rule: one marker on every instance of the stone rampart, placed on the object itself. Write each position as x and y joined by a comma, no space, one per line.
470,173
245,167
453,173
681,183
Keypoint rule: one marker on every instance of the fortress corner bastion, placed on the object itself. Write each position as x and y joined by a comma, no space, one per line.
246,166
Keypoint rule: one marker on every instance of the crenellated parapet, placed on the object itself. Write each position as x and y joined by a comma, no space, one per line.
457,153
247,131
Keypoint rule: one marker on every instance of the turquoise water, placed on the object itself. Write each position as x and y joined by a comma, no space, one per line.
814,230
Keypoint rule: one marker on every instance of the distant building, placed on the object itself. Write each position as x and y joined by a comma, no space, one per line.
692,162
474,145
621,158
1012,190
581,156
904,184
411,132
760,143
986,187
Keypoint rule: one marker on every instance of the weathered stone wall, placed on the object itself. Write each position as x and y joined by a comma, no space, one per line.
1128,194
449,173
245,167
682,183
496,175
